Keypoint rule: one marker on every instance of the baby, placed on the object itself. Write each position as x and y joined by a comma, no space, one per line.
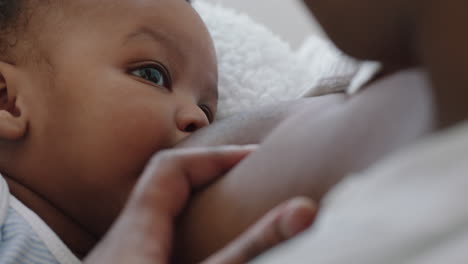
89,91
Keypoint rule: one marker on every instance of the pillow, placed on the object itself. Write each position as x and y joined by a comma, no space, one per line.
256,67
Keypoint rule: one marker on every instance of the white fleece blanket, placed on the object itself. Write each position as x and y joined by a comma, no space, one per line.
256,67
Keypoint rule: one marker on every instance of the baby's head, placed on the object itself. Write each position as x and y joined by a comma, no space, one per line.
90,89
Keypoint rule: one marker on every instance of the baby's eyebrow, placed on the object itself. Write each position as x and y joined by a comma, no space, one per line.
150,33
158,37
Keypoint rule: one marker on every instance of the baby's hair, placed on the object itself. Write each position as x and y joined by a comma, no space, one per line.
10,11
11,20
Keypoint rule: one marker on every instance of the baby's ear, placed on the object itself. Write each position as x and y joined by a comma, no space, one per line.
13,120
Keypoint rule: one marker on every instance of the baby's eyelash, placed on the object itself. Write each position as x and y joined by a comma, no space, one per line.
209,114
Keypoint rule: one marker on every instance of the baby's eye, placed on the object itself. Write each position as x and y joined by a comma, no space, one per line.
156,74
209,114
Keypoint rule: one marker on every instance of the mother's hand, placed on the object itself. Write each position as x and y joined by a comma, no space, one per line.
280,224
143,233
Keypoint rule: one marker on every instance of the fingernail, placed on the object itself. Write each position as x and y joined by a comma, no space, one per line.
297,217
238,147
251,146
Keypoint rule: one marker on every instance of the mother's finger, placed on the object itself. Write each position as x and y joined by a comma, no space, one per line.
171,175
280,224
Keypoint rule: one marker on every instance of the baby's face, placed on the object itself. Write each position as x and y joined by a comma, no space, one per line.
126,78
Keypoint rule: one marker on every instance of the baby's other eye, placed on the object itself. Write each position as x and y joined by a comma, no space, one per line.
209,114
156,74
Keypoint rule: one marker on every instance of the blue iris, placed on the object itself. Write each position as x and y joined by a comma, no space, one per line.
152,74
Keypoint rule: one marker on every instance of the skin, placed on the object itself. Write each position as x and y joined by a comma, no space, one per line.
416,30
148,218
385,40
89,119
253,126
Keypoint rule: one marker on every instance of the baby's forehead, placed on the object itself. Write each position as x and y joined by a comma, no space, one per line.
78,7
118,13
112,21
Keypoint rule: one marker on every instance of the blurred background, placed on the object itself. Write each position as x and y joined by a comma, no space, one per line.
287,18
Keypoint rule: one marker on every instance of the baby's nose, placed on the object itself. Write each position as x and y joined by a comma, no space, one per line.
191,119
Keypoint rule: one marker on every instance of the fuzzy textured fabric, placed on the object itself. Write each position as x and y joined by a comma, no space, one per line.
256,67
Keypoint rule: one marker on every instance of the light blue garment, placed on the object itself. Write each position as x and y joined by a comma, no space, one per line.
19,244
25,238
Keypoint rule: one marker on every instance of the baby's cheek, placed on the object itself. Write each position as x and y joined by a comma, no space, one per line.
138,137
117,160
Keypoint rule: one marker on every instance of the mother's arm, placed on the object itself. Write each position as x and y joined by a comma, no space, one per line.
306,155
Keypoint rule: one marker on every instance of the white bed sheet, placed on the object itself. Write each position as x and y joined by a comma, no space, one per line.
410,208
